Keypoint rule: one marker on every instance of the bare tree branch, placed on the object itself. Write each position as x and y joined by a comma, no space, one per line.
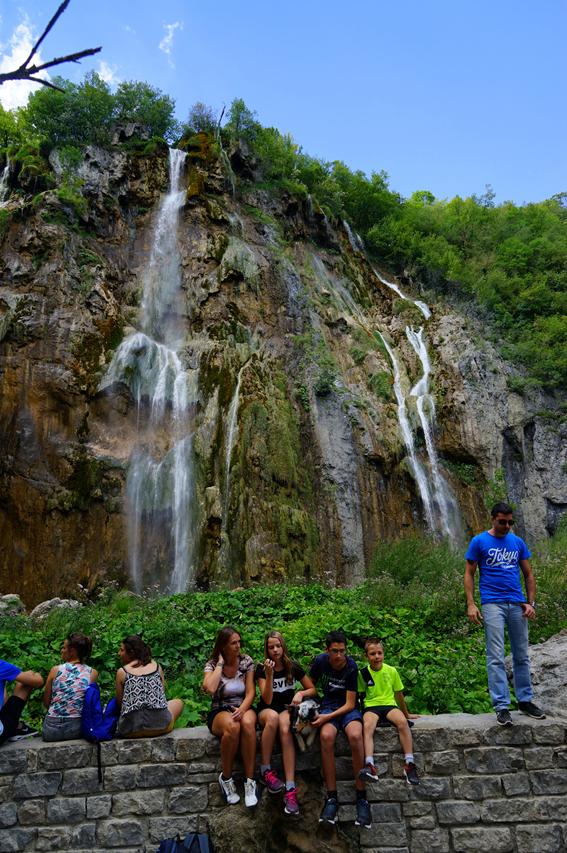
26,71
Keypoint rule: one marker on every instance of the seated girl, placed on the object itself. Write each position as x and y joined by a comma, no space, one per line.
65,689
140,693
276,678
229,679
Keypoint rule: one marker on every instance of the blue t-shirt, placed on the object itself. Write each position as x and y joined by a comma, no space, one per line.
334,682
498,559
8,672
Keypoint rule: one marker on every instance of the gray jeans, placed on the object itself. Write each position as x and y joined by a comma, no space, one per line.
61,728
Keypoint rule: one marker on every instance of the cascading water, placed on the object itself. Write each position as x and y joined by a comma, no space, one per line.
418,469
393,286
230,439
160,482
446,519
4,182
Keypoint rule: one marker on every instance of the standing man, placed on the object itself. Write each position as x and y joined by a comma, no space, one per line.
500,555
336,674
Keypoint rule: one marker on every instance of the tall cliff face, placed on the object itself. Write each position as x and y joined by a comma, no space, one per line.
299,464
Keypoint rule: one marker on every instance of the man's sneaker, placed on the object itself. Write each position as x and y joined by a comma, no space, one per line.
531,710
330,811
504,717
410,772
363,814
24,731
272,781
368,773
291,805
228,790
250,795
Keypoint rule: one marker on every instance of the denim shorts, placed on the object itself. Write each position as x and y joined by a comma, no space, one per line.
340,723
61,728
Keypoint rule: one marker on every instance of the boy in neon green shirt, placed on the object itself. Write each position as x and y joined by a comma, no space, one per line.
381,688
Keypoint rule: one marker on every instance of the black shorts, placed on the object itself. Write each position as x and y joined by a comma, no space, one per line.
382,712
10,714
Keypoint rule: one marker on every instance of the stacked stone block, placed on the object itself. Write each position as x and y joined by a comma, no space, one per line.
483,789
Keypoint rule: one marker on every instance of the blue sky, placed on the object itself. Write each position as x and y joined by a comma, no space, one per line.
444,96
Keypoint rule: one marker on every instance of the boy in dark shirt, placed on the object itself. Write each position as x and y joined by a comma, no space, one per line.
336,675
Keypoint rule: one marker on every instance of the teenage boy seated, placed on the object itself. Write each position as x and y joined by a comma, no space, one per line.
381,688
336,675
11,707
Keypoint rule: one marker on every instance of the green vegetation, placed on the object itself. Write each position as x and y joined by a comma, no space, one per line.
413,600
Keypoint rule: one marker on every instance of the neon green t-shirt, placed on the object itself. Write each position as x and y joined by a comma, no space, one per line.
380,687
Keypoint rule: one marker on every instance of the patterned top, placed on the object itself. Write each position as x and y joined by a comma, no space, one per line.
231,691
142,691
68,690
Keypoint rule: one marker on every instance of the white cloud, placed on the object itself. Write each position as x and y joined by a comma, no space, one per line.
107,73
166,43
15,93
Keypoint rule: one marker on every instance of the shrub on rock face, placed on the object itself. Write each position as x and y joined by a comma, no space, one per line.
11,604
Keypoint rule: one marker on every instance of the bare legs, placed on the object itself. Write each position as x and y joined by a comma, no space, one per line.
396,717
232,734
353,732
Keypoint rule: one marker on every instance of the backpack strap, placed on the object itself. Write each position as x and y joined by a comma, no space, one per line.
365,673
203,843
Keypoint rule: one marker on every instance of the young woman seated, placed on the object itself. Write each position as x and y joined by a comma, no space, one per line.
277,678
65,689
229,679
140,692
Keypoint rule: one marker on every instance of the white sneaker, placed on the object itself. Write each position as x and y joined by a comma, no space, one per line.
250,797
228,790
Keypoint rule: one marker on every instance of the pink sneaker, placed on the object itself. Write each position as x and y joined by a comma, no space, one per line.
290,802
272,781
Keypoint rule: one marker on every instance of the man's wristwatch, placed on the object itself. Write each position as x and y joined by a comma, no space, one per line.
532,604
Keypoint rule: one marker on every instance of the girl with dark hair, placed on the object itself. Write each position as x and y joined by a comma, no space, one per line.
277,678
65,689
140,692
229,679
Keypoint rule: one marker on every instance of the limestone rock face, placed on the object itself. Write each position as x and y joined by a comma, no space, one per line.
549,673
283,322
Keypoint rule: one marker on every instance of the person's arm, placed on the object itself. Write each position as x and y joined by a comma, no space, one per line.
30,679
266,684
530,582
212,679
349,705
473,612
120,678
401,700
246,703
308,691
49,686
93,677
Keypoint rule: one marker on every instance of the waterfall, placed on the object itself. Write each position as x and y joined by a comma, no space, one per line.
160,480
393,286
447,519
4,182
419,472
231,436
354,239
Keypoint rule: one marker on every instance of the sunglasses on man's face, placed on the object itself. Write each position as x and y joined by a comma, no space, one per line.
505,521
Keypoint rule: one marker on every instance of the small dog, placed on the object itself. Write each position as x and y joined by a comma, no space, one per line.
301,716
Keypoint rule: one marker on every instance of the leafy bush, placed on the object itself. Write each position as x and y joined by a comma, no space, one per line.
413,600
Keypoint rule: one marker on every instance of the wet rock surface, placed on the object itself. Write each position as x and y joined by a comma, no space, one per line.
318,468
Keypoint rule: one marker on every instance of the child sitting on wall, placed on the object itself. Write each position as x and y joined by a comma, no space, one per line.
381,688
65,688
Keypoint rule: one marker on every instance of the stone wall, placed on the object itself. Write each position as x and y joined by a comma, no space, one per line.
483,788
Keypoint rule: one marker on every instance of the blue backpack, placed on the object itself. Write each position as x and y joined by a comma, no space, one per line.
195,842
98,725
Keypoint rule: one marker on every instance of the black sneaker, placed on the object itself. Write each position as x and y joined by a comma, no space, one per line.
504,717
410,772
363,814
23,731
531,710
368,773
330,811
